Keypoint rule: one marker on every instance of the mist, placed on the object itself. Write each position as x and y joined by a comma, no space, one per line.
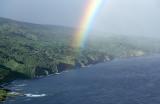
129,17
79,52
132,17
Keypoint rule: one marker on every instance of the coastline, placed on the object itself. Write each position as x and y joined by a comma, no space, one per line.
11,93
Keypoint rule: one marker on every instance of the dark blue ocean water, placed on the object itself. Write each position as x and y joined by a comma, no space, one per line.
121,81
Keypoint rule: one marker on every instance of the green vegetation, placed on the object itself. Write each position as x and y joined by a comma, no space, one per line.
30,50
3,95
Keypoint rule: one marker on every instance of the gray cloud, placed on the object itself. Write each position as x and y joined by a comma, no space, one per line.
135,17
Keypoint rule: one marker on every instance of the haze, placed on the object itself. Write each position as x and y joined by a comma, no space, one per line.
131,17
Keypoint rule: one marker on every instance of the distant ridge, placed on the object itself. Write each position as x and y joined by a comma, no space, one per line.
9,20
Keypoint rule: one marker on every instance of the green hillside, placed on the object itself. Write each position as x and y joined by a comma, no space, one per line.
29,50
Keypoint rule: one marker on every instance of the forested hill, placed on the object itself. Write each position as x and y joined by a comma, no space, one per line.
29,50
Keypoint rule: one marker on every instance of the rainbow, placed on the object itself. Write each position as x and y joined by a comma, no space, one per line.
86,21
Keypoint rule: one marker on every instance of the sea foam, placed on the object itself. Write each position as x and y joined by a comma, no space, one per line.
34,95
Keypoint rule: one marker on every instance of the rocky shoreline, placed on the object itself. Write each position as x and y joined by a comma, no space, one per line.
42,71
4,93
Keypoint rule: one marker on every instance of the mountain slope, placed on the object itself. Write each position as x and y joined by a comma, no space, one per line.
31,50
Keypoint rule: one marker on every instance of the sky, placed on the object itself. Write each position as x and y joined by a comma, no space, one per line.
130,17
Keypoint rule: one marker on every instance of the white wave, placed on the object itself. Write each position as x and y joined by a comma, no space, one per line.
57,73
21,85
17,89
35,95
14,93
